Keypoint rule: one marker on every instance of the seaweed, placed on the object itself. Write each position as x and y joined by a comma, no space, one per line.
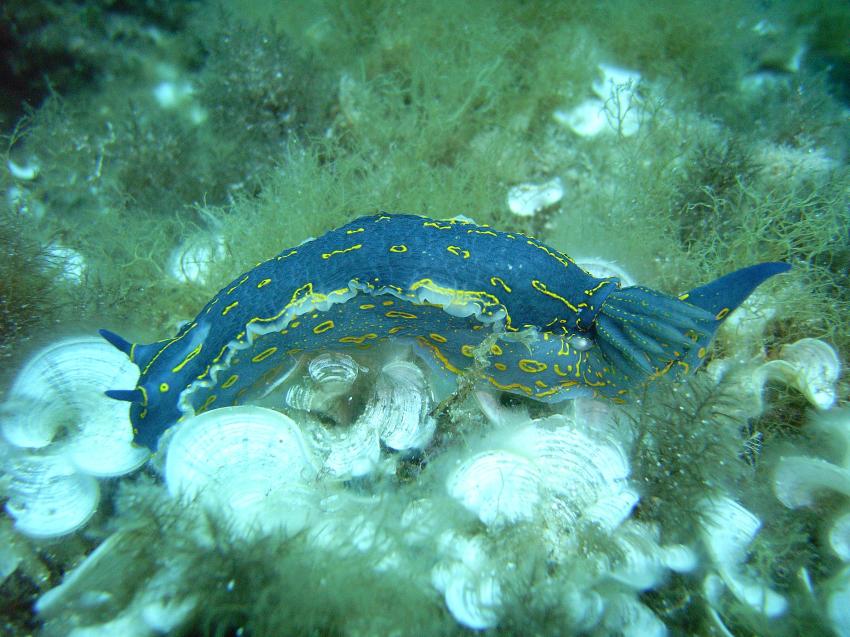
688,446
257,91
718,167
29,298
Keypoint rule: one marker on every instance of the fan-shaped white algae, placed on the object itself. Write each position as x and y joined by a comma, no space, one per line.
72,264
617,87
835,424
400,407
743,330
798,480
170,94
498,486
563,479
612,78
61,387
343,533
728,530
420,521
526,200
327,388
616,107
63,384
838,603
602,418
48,497
397,413
85,578
578,466
334,372
625,615
249,465
585,119
809,365
102,447
31,423
111,577
24,172
503,485
348,452
468,582
154,613
500,417
585,607
190,262
643,563
569,479
839,536
612,509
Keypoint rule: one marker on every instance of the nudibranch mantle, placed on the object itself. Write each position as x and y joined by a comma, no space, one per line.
560,332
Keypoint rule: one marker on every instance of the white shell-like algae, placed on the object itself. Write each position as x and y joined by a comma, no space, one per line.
249,464
48,497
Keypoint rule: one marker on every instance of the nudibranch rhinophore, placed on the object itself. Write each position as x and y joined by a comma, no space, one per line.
559,332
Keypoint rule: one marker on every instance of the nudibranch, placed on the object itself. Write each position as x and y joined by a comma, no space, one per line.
559,332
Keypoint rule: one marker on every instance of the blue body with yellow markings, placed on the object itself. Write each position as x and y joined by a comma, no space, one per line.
559,332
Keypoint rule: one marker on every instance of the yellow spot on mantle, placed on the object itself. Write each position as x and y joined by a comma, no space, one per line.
323,327
263,355
531,366
328,255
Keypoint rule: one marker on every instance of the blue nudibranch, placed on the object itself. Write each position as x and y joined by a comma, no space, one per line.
561,333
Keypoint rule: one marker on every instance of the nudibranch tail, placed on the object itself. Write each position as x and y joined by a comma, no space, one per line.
723,295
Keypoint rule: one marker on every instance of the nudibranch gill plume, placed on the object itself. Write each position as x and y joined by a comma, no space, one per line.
559,332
